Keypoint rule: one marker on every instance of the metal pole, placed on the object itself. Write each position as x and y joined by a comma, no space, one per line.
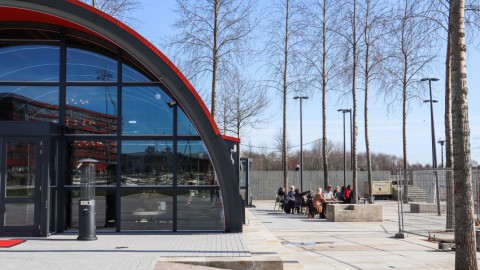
301,148
301,141
434,152
344,154
351,140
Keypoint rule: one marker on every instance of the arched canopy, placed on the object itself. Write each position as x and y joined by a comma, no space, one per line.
78,16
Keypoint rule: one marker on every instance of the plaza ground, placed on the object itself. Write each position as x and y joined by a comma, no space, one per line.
270,239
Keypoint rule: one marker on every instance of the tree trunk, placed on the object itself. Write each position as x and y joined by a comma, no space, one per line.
215,61
367,77
448,135
354,96
324,96
465,253
404,108
285,88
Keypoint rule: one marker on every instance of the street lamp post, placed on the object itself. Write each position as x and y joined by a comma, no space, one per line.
434,152
441,142
344,111
301,141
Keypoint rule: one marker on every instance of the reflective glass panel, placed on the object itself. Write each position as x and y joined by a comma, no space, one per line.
185,126
29,103
194,166
104,209
21,162
147,163
19,214
147,210
131,75
146,111
89,66
91,110
103,151
29,63
200,210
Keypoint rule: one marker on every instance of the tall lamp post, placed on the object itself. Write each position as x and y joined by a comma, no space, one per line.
344,111
301,141
434,152
441,142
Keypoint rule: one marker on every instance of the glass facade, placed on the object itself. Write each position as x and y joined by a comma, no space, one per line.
153,172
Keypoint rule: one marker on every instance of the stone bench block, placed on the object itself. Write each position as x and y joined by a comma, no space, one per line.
426,208
354,212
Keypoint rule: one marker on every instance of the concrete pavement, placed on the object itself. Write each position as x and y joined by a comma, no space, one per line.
271,240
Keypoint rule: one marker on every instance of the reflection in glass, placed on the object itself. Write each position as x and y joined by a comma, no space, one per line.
147,210
29,103
200,210
89,66
92,110
146,111
29,63
194,166
19,214
21,162
104,209
185,126
131,75
147,163
103,151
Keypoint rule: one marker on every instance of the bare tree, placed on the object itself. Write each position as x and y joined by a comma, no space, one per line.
213,38
120,9
245,105
284,31
320,58
224,113
465,254
374,30
411,42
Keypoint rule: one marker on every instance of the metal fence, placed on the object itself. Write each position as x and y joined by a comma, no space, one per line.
264,184
426,211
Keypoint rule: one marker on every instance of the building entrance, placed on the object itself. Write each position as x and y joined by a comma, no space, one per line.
20,187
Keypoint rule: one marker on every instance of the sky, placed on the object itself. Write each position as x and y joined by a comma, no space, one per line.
385,128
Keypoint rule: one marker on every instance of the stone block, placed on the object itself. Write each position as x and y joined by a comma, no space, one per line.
426,208
354,212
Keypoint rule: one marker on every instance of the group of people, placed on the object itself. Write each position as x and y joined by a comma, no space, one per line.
294,200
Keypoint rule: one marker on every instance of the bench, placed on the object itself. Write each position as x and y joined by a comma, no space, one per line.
354,212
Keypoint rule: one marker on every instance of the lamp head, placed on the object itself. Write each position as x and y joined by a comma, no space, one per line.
429,79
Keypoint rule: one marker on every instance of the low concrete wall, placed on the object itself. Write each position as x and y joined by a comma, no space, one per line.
354,212
427,208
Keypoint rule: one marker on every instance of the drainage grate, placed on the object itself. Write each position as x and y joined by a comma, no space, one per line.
307,243
291,262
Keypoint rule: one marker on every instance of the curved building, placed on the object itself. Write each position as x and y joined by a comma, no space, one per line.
77,84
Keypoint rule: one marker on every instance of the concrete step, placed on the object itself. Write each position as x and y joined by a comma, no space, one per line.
415,194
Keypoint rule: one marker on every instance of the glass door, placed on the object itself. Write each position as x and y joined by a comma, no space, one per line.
20,186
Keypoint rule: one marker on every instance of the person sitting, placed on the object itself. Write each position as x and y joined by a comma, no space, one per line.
328,194
300,200
281,196
317,204
289,206
341,194
347,196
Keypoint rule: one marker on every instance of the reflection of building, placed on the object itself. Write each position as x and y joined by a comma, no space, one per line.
80,121
15,107
70,90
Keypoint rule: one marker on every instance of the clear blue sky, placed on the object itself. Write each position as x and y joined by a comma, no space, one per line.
385,130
